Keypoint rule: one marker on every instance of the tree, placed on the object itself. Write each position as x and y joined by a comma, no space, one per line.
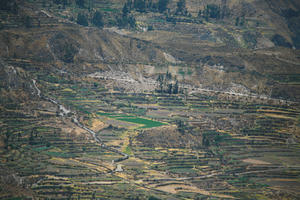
175,88
80,3
149,4
170,86
181,8
125,10
140,5
97,19
126,21
82,20
237,21
31,138
1,26
129,4
15,8
6,139
91,4
9,6
160,80
200,13
28,22
180,126
212,11
131,21
168,76
162,5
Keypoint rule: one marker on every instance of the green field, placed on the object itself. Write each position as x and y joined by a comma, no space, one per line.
132,119
146,122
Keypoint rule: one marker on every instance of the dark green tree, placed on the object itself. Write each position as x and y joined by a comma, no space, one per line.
126,21
27,22
175,88
80,3
181,8
1,26
237,21
170,86
82,20
140,5
212,11
131,21
15,8
9,5
168,76
242,21
160,80
153,198
6,139
31,138
200,13
91,5
125,10
162,5
129,4
97,19
180,126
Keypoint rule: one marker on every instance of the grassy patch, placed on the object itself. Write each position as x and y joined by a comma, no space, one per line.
146,122
41,148
60,154
128,150
132,119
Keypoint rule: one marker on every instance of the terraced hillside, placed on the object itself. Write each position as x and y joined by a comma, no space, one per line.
156,103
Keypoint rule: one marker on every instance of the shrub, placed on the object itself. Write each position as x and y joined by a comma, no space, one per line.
162,5
80,3
82,20
278,40
97,19
140,5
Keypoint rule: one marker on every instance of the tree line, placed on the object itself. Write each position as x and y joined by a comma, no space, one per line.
125,18
166,84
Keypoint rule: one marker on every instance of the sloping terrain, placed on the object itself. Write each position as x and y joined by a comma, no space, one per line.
195,100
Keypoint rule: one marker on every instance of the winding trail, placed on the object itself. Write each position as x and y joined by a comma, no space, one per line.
287,61
98,140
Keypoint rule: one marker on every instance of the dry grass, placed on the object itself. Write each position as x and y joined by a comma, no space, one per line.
278,116
256,162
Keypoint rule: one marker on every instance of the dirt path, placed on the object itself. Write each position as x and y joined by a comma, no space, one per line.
98,140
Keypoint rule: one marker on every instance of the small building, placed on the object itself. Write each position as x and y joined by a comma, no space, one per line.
119,168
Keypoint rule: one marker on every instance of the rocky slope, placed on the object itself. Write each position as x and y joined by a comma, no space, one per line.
215,54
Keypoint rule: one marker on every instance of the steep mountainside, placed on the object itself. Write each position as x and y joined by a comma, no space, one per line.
149,99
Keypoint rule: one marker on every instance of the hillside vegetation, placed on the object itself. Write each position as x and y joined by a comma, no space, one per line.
149,99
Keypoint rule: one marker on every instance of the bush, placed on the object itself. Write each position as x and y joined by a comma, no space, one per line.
82,20
126,21
153,197
63,2
9,5
27,22
181,8
80,3
278,40
150,28
97,19
162,5
212,11
140,5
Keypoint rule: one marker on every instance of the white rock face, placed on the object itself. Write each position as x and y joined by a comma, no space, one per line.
171,58
126,80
